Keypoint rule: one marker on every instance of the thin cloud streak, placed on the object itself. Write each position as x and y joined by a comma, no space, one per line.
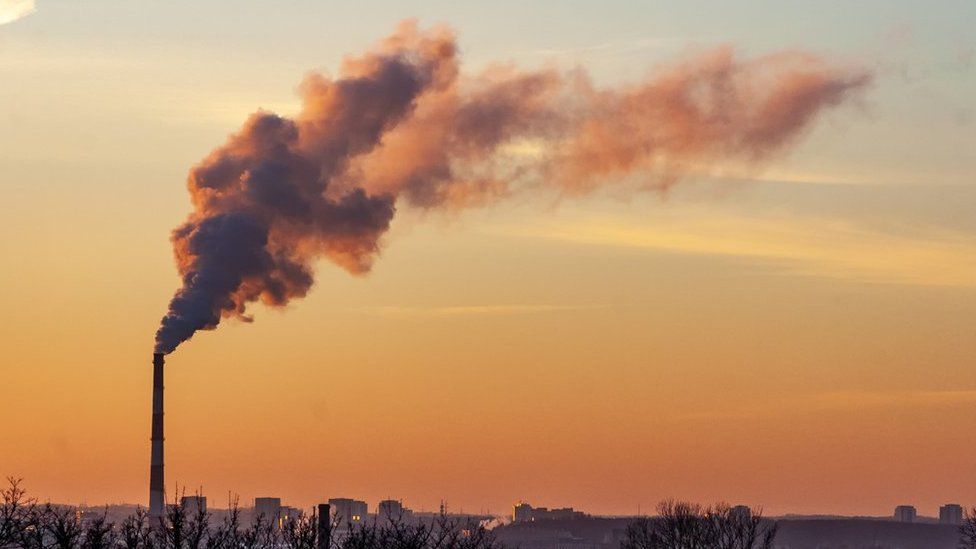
791,176
610,48
467,310
12,10
842,401
527,149
797,246
845,400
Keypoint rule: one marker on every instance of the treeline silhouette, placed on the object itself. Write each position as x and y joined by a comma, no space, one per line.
27,524
681,525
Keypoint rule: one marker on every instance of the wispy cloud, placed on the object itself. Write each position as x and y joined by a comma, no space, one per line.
12,10
466,310
535,148
609,47
794,245
729,171
843,401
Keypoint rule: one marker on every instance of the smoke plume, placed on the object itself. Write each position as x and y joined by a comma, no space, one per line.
401,125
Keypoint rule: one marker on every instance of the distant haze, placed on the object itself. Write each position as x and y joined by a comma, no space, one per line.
793,331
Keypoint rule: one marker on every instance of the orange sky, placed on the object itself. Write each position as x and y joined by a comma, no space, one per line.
800,339
484,369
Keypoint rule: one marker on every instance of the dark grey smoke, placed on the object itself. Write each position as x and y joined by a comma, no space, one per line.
401,123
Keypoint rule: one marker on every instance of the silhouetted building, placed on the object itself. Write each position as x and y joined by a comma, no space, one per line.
563,513
289,513
905,513
742,511
194,504
391,510
349,511
526,513
950,513
522,512
269,508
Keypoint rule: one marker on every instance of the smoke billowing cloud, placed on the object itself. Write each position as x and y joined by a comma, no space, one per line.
401,125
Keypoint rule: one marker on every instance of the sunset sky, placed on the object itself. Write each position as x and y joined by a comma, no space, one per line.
798,335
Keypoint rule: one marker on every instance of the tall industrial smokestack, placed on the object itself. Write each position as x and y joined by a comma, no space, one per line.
157,496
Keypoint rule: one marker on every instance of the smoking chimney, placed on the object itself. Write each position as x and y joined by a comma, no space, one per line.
157,496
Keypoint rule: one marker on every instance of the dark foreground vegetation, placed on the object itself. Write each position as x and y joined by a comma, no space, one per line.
27,524
682,525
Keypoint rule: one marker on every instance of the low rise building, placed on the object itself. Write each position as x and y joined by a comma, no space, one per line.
193,505
951,513
349,511
905,513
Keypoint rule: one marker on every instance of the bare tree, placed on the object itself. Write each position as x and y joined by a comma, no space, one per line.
302,532
135,531
261,534
441,533
99,533
172,532
63,526
742,528
967,531
15,507
197,527
33,531
227,534
682,525
24,525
